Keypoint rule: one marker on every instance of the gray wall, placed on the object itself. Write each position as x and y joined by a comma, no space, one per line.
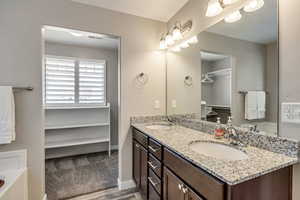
289,36
21,61
111,58
272,82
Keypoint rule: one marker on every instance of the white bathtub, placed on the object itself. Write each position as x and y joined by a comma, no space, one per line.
13,169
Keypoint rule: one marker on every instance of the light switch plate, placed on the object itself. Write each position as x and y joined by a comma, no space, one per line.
290,112
156,104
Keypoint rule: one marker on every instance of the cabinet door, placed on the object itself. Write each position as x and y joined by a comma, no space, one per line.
172,186
144,172
192,195
137,163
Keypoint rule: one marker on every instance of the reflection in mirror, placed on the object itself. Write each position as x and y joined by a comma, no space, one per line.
234,71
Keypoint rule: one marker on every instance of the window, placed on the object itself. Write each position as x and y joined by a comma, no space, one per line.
71,81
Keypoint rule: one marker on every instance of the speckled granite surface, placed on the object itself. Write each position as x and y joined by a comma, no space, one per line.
260,161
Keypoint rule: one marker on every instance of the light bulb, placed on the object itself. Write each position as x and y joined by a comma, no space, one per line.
214,8
162,44
233,17
193,40
176,49
254,5
177,34
169,40
184,45
228,2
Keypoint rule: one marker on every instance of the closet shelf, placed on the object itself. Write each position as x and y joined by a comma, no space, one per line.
75,107
75,126
75,142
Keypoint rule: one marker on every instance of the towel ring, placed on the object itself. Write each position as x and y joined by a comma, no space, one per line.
188,80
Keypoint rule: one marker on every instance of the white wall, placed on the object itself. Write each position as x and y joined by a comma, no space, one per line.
21,53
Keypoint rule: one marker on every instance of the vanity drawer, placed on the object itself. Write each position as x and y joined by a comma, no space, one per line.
155,148
140,137
153,195
202,182
155,165
154,181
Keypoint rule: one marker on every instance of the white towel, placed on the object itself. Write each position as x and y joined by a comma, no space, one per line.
7,115
255,105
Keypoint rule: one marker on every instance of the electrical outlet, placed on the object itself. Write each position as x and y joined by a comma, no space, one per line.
156,104
290,112
174,103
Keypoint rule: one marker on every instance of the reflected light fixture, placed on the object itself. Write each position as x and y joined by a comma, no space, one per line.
214,8
177,35
254,5
233,17
169,39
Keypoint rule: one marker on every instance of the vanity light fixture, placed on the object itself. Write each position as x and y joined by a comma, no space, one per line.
193,40
169,39
177,35
162,44
233,17
254,5
214,8
184,45
176,49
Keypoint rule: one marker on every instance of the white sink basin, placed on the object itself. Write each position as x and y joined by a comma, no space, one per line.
159,127
218,150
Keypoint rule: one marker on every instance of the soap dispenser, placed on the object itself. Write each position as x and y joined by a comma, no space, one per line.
219,131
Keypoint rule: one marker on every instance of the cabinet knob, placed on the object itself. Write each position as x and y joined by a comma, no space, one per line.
137,145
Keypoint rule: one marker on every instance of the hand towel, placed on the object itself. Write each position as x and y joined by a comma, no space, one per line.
255,105
7,115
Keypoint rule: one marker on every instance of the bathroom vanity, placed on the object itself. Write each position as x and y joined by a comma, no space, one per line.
165,167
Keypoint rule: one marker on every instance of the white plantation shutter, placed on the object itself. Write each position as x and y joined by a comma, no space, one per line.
60,81
92,82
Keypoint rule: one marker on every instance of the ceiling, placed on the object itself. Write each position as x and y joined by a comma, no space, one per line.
259,26
161,10
208,56
64,36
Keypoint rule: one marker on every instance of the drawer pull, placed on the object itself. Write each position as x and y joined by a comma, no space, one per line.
184,190
180,186
151,165
152,182
153,149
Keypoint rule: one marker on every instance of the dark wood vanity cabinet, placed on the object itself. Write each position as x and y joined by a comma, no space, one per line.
161,174
140,168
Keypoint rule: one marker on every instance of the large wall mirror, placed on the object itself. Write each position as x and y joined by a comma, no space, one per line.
231,71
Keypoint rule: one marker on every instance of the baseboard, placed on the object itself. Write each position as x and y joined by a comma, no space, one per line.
45,197
124,185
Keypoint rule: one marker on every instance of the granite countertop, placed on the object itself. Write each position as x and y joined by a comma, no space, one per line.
260,161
